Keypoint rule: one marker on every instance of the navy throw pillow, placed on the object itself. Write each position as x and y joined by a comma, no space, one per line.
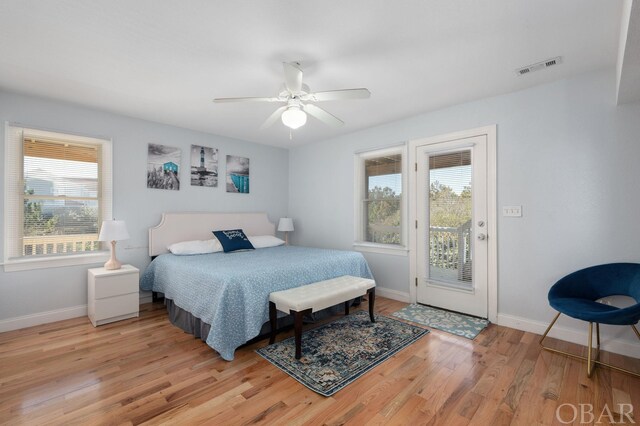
233,240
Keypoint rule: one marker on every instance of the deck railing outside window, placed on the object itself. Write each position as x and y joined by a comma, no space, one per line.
384,234
450,248
59,244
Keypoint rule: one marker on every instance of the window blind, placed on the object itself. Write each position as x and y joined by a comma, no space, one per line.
58,192
450,213
383,199
61,197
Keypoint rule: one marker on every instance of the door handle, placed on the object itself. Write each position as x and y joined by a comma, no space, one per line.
482,237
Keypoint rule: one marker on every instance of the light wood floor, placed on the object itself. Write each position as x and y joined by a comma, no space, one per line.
144,370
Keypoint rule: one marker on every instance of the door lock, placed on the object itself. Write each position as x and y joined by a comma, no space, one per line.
482,237
481,223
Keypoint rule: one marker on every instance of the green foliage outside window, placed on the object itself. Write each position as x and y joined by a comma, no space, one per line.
383,210
62,220
35,223
446,208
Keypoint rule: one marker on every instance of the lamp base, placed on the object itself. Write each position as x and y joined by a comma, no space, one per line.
113,263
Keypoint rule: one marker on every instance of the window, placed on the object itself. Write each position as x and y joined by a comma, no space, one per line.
58,190
380,205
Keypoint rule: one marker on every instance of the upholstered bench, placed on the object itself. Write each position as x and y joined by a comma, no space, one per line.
309,298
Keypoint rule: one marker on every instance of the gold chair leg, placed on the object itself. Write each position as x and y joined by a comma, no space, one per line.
592,359
550,349
549,329
597,357
636,330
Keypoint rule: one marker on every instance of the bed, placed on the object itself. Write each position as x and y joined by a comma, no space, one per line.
223,297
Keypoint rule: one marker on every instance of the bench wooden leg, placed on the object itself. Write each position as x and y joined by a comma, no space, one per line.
273,321
372,300
346,307
297,325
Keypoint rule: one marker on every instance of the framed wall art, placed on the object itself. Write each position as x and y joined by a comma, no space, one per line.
204,166
163,167
237,174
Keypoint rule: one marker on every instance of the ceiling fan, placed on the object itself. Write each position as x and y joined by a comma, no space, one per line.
298,99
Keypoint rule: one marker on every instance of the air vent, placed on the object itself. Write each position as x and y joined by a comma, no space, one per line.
540,65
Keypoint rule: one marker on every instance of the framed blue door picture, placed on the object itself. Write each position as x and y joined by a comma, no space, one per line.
163,167
237,174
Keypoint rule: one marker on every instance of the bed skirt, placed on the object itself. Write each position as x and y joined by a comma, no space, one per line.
186,321
200,329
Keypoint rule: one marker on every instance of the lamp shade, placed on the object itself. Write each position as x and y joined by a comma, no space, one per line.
285,224
113,230
294,117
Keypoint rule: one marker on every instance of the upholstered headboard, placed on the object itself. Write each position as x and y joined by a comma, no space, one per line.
176,227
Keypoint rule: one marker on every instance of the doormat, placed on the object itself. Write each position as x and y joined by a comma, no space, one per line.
451,322
336,354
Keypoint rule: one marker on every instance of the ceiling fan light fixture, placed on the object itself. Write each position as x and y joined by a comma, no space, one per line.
294,117
299,100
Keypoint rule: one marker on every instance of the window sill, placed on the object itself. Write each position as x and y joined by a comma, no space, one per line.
391,249
55,261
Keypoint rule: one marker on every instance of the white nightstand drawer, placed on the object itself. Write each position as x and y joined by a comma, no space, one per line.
114,285
113,294
116,306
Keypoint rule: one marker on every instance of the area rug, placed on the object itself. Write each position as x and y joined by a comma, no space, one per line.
337,353
451,322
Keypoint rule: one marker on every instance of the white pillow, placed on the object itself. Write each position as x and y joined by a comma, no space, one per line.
264,241
195,247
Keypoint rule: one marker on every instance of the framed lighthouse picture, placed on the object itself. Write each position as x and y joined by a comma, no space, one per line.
204,166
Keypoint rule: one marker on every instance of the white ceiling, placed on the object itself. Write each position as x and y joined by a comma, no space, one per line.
166,60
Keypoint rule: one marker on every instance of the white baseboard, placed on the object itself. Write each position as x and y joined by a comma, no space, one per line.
618,346
393,294
25,321
42,318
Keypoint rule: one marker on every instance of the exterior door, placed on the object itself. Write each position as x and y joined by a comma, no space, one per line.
451,227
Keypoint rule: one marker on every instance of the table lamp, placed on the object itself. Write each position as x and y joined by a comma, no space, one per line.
113,230
285,225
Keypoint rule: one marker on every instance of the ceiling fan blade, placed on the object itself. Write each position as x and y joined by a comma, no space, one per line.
273,118
322,115
292,77
335,95
222,100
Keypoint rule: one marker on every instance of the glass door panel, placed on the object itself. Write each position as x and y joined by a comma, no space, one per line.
450,248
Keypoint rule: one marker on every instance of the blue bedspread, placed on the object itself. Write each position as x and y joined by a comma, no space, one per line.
230,291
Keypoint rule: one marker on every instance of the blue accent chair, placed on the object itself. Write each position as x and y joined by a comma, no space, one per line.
575,295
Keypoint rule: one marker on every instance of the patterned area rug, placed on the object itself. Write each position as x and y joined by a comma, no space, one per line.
451,322
336,354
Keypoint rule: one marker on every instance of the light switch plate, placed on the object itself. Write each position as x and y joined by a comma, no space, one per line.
512,211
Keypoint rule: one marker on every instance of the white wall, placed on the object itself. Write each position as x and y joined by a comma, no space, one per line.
566,153
62,289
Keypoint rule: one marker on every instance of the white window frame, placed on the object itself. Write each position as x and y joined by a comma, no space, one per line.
359,243
13,205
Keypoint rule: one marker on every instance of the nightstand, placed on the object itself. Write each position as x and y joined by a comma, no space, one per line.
113,294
